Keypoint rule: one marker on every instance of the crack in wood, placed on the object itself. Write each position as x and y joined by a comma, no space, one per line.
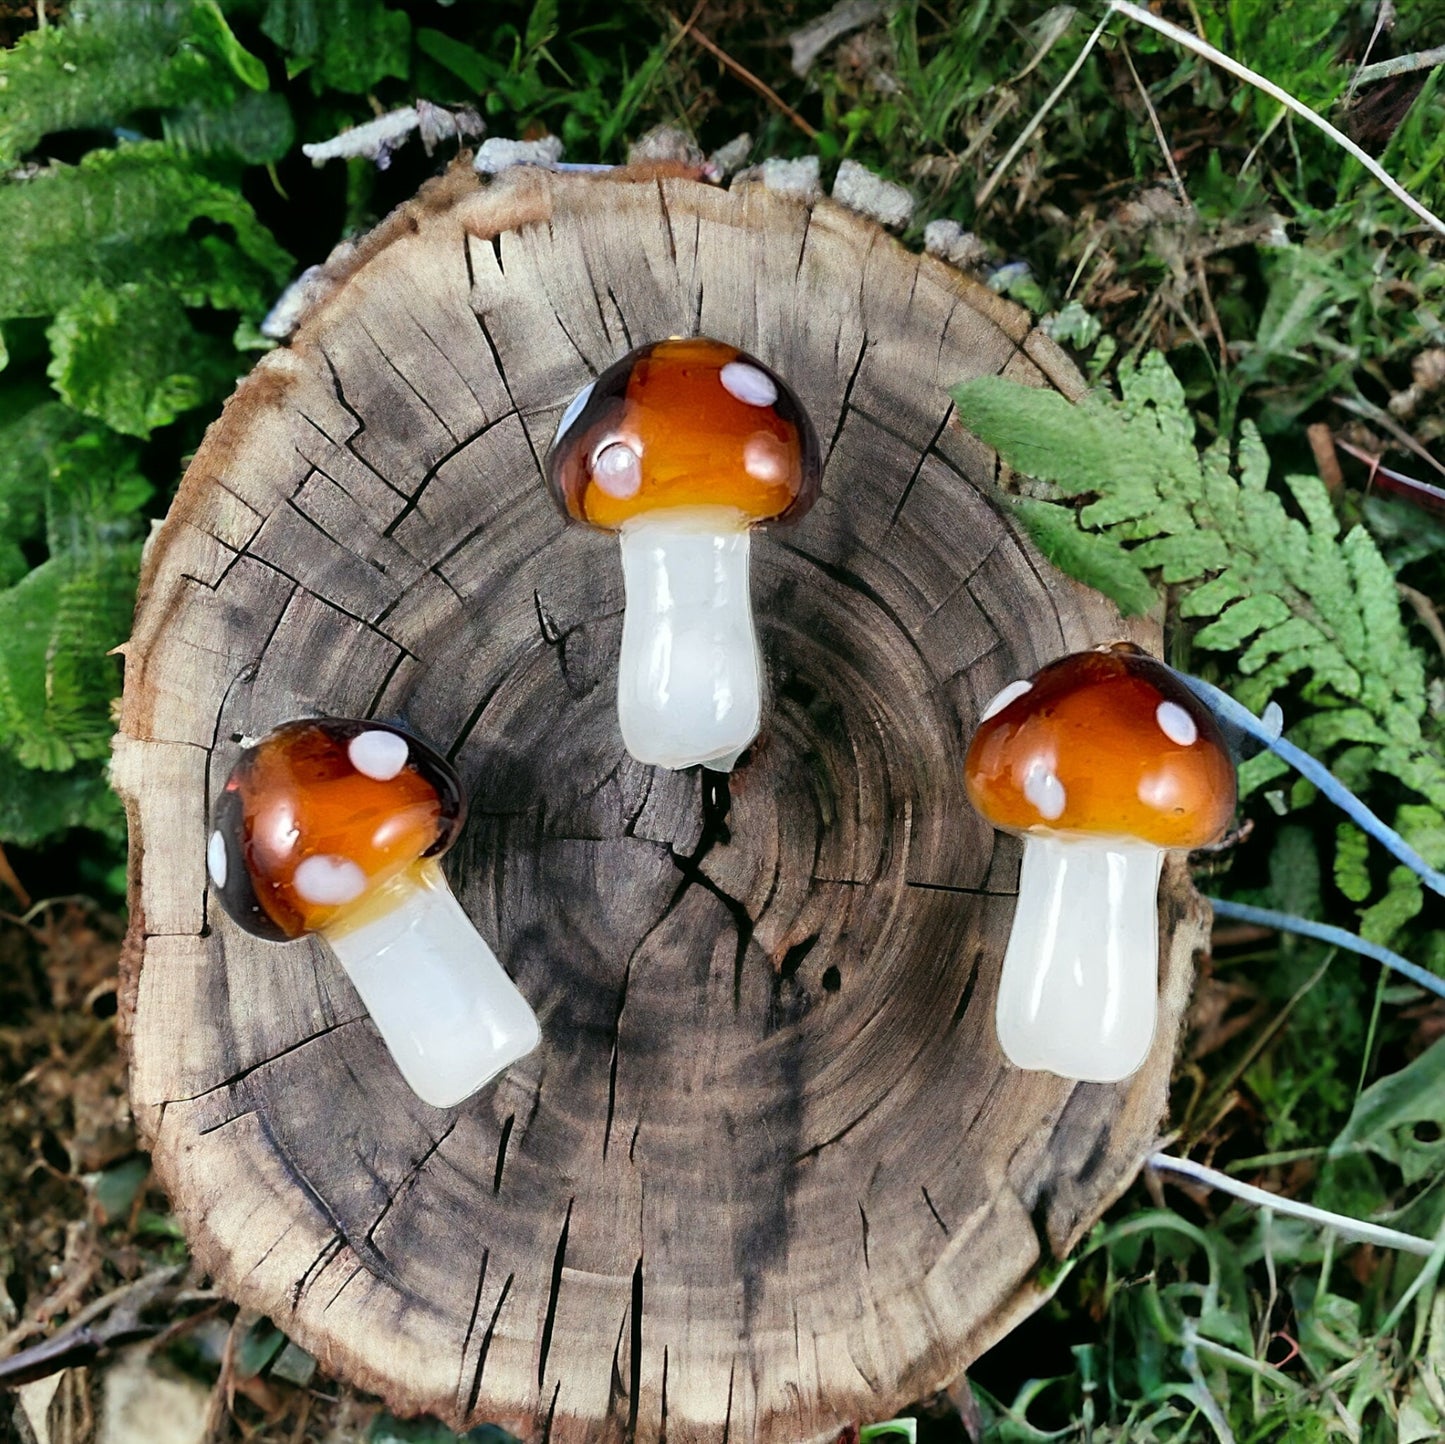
346,406
414,499
621,319
487,1343
502,370
863,1219
333,605
959,888
348,446
502,1153
386,681
666,220
407,381
346,1284
551,1414
937,1217
960,1009
558,1262
472,1324
616,1054
812,1152
241,1074
409,1178
572,341
634,1383
923,457
716,802
317,1267
803,245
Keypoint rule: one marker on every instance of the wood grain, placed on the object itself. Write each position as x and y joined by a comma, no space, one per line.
768,1171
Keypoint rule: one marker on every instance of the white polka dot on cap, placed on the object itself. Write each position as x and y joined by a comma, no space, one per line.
748,384
378,755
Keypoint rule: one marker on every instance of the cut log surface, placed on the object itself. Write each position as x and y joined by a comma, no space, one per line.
768,1171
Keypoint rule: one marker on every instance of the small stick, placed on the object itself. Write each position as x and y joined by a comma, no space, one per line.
1011,155
1424,492
1384,420
1327,462
1425,609
1354,1229
1386,11
8,877
1158,130
1401,65
748,78
1253,77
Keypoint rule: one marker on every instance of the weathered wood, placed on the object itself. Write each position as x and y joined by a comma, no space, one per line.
768,1171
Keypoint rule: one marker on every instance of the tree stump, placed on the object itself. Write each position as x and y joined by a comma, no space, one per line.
768,1171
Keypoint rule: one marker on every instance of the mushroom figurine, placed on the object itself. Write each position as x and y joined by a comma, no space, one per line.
334,827
681,447
1102,762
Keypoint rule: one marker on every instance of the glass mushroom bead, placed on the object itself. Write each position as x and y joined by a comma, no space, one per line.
1102,762
334,827
681,447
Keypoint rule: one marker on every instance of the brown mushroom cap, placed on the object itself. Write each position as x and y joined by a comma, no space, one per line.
1109,743
319,807
684,423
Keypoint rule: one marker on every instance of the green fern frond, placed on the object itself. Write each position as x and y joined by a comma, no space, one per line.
128,356
109,60
1264,576
346,44
56,682
78,490
125,215
36,806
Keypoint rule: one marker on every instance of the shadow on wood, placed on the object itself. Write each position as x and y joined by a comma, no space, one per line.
768,1171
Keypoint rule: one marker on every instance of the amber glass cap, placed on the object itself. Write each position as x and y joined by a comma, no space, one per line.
684,423
320,813
1109,743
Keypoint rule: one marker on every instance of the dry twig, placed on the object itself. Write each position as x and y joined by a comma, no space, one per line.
747,77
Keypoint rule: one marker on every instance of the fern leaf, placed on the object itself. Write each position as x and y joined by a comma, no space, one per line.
1095,560
348,44
1277,585
37,806
1242,621
129,356
124,215
108,61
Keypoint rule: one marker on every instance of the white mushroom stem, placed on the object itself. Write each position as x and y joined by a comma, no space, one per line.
689,684
443,1004
1079,990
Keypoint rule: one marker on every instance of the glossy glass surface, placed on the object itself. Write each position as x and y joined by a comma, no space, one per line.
684,423
1107,743
318,814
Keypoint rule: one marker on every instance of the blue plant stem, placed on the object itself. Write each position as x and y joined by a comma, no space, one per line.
1325,933
1228,710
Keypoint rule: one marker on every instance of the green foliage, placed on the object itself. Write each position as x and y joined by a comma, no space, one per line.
1277,584
127,356
347,45
76,491
113,58
588,103
126,214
